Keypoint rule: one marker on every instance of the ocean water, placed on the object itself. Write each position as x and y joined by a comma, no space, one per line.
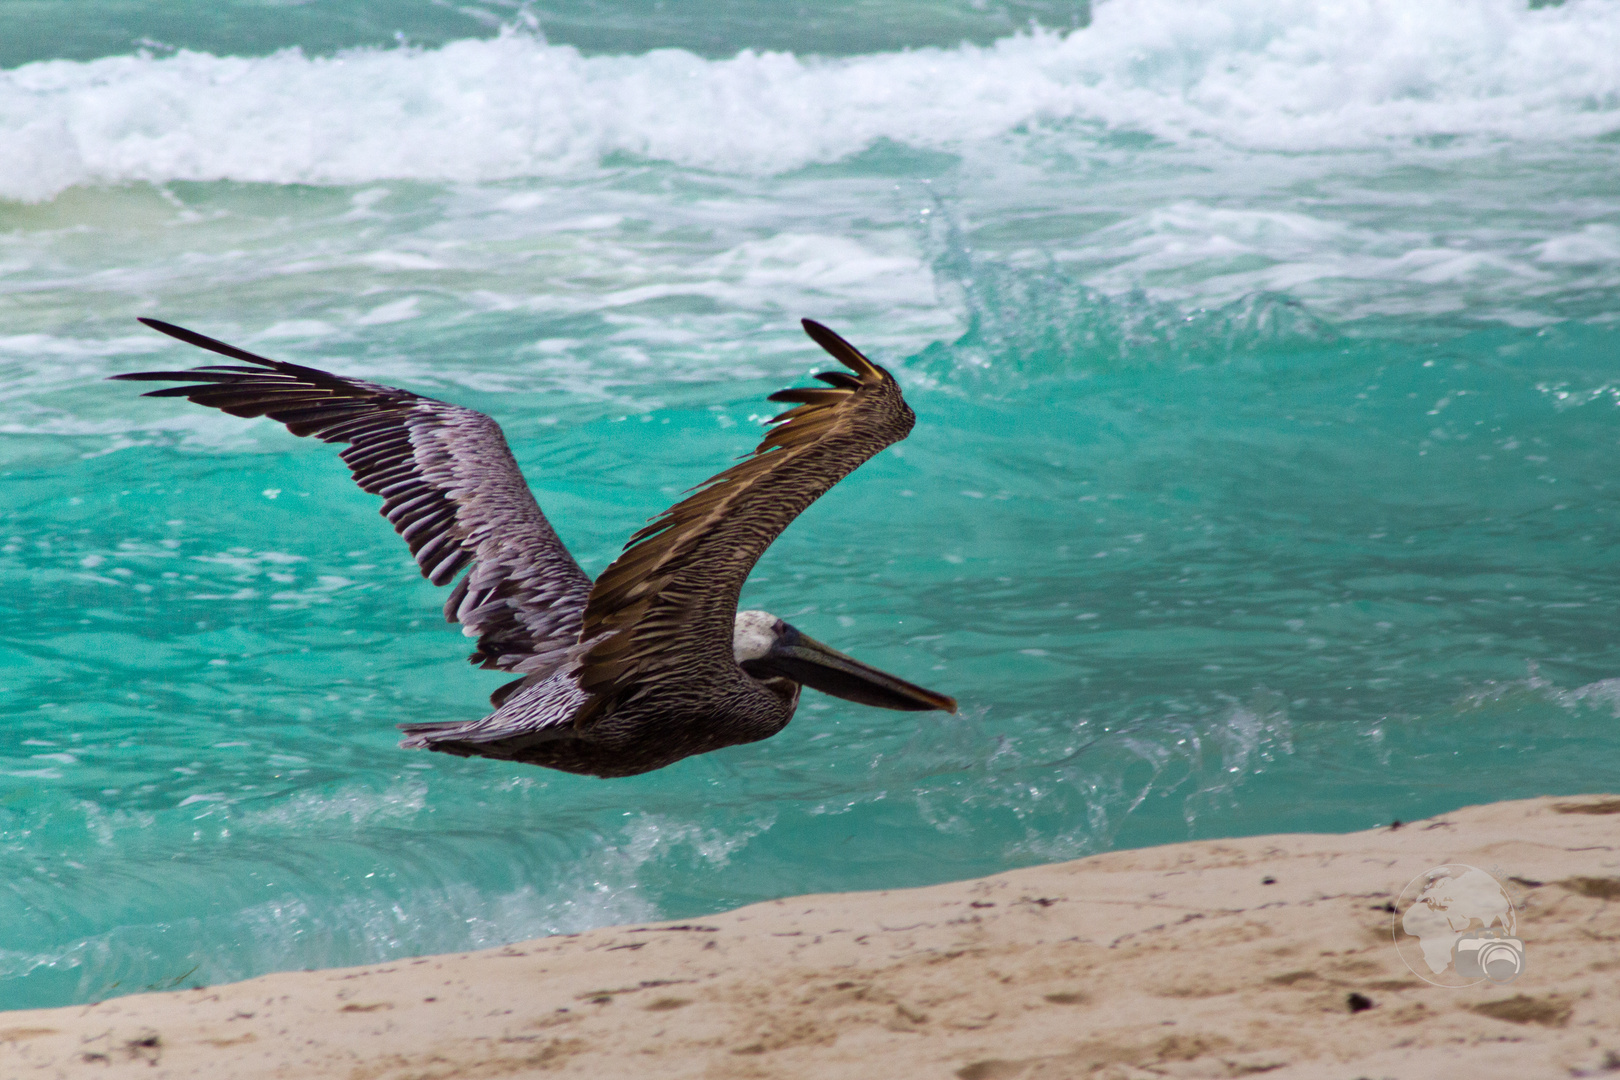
1266,358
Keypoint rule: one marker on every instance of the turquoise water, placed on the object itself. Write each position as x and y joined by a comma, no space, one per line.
1266,359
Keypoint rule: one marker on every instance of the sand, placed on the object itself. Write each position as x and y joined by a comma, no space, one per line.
1205,959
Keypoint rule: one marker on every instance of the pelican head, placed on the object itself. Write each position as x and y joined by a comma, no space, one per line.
766,647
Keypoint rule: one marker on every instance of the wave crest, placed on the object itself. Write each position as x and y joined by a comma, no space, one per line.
1272,74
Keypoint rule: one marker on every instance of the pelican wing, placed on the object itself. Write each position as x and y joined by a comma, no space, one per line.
450,488
664,610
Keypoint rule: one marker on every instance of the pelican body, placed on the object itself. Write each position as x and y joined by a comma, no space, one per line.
652,662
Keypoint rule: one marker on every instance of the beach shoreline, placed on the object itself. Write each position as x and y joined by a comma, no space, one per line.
1266,954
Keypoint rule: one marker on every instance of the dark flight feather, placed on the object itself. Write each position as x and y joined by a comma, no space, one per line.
450,486
664,609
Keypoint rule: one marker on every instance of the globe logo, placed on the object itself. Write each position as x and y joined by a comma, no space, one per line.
1455,925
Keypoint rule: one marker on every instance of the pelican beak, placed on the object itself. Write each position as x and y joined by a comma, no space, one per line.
805,660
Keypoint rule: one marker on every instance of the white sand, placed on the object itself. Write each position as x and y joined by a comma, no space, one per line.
1171,961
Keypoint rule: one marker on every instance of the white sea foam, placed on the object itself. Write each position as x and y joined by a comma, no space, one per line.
1602,695
1283,74
1217,255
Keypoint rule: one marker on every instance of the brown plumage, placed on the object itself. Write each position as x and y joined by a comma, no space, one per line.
653,662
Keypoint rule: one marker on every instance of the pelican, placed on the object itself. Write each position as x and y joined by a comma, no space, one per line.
652,662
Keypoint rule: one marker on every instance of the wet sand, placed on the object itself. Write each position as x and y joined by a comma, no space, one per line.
1269,955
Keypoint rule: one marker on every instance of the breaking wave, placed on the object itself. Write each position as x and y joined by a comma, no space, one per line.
1266,74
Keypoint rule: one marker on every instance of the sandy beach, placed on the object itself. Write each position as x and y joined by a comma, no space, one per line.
1269,954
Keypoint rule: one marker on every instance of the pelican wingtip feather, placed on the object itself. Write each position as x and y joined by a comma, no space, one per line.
841,350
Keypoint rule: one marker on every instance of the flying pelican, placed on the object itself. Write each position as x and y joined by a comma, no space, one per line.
651,663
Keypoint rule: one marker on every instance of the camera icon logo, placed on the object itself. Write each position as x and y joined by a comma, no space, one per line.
1488,954
1455,925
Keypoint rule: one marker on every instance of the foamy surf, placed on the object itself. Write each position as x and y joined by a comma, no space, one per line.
1270,74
